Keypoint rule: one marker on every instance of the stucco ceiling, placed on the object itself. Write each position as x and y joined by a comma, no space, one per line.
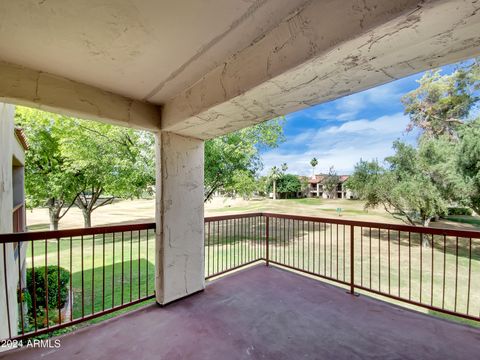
147,50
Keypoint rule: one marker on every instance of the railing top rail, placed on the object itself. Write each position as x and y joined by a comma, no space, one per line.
232,216
56,234
382,226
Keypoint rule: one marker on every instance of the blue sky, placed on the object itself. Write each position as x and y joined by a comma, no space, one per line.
340,132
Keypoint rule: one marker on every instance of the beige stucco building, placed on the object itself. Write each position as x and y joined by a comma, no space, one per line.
12,215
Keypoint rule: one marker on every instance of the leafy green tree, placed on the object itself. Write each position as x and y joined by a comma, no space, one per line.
49,181
409,188
468,163
288,185
274,175
313,163
441,103
109,161
244,184
330,183
228,158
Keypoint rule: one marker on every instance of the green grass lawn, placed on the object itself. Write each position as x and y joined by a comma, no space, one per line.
392,269
110,266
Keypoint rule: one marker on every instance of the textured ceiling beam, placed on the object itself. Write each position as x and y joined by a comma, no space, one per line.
326,50
23,86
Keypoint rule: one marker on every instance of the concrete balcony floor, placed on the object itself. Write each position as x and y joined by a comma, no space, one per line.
267,313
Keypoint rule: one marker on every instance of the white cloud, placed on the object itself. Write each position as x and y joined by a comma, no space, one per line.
387,124
341,146
349,107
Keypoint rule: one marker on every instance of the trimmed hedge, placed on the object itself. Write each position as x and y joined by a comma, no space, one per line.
40,286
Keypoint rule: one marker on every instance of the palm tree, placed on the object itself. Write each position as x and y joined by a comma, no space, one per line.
314,163
274,174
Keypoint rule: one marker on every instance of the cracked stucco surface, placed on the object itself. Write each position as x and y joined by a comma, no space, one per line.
52,93
180,223
312,57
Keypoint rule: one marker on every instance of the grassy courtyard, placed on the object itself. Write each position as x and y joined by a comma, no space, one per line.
113,266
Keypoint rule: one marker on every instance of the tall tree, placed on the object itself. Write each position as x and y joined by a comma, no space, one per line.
409,188
313,163
49,181
468,163
330,183
288,184
109,161
274,175
233,156
442,103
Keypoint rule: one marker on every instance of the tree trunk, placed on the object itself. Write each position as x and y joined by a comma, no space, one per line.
87,218
274,190
54,219
426,237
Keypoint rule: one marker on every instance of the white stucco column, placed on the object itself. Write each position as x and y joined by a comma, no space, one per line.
7,151
179,216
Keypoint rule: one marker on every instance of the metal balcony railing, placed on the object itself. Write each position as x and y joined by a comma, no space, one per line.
437,269
67,277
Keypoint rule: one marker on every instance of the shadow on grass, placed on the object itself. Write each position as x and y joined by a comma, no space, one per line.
113,285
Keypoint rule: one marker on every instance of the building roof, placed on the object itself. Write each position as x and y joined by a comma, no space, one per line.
319,178
21,137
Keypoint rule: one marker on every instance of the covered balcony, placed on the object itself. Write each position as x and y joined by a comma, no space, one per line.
190,71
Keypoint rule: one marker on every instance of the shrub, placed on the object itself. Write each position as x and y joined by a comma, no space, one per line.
53,288
459,211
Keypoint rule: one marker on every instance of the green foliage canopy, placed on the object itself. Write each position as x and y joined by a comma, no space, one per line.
232,157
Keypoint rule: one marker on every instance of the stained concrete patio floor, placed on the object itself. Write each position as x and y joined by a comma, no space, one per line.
267,313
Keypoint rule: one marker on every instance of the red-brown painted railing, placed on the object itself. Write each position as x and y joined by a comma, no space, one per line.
93,272
111,267
441,275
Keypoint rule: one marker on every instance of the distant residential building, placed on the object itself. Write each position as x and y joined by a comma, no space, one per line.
316,188
12,216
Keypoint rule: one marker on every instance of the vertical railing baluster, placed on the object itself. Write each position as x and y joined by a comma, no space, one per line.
138,270
352,259
21,287
6,289
46,283
388,242
469,274
370,254
361,256
456,273
267,235
409,265
131,266
146,267
431,285
71,285
35,285
379,261
336,261
343,256
113,270
444,269
421,265
123,266
103,272
93,274
399,262
58,286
